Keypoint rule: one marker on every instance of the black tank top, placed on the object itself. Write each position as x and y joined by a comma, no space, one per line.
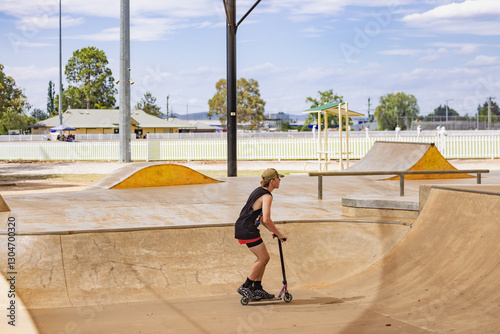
245,227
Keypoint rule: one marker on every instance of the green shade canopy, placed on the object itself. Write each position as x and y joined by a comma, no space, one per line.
334,109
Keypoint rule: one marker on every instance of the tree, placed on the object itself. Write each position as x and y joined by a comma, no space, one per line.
11,97
148,105
249,108
396,109
39,114
285,126
483,112
13,105
11,120
439,114
323,98
51,93
93,83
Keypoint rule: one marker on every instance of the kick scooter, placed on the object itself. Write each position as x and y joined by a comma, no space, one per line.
284,294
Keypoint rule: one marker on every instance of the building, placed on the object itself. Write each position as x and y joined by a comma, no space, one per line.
106,121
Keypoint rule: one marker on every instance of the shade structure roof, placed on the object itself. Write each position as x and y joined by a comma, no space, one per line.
334,109
62,127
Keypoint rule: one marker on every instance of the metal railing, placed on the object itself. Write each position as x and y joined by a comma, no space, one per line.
401,174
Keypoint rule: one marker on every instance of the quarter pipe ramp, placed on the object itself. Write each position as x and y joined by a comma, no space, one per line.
405,156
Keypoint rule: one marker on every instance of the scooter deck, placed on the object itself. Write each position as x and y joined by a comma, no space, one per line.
245,300
264,300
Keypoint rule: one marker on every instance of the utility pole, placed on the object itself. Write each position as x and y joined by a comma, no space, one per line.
187,111
232,26
125,125
368,110
168,96
489,112
60,69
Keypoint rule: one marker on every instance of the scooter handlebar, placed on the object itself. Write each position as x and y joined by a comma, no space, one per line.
275,236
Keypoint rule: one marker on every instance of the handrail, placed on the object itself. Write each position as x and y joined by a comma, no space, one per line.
400,173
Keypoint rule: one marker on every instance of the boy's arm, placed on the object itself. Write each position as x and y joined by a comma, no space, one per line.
267,201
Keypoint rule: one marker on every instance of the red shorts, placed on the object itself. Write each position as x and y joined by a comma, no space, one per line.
251,242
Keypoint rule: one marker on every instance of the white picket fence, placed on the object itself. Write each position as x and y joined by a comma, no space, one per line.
456,147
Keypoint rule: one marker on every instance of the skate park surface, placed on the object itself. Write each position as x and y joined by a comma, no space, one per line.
164,260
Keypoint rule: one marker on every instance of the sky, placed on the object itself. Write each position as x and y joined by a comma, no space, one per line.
437,50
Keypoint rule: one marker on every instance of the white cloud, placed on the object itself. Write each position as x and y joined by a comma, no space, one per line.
30,72
27,44
459,48
469,9
468,49
436,54
484,61
141,29
476,17
41,22
312,32
400,52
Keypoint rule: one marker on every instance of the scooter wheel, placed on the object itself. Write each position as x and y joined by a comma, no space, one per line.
244,301
288,297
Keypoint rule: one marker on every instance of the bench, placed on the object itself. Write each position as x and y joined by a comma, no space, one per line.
400,173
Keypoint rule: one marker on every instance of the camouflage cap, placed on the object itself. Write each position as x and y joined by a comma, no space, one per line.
270,174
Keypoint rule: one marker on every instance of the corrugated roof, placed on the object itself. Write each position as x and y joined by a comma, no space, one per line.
109,118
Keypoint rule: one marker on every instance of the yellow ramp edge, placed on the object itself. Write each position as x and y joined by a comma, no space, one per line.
4,214
163,175
433,160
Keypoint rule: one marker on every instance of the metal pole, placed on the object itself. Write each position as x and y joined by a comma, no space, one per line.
125,125
401,184
168,96
320,187
60,68
446,111
489,113
232,169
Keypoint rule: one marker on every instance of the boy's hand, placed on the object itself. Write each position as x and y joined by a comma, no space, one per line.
281,237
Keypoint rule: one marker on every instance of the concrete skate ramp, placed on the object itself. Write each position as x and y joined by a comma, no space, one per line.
403,156
445,274
4,214
440,275
141,175
93,268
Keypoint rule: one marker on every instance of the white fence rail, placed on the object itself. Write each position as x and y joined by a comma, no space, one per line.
248,135
456,147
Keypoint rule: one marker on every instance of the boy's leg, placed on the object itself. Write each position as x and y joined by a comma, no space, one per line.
259,266
258,271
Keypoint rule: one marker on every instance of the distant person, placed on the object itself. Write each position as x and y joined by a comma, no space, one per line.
438,130
367,132
258,210
397,130
419,131
442,131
